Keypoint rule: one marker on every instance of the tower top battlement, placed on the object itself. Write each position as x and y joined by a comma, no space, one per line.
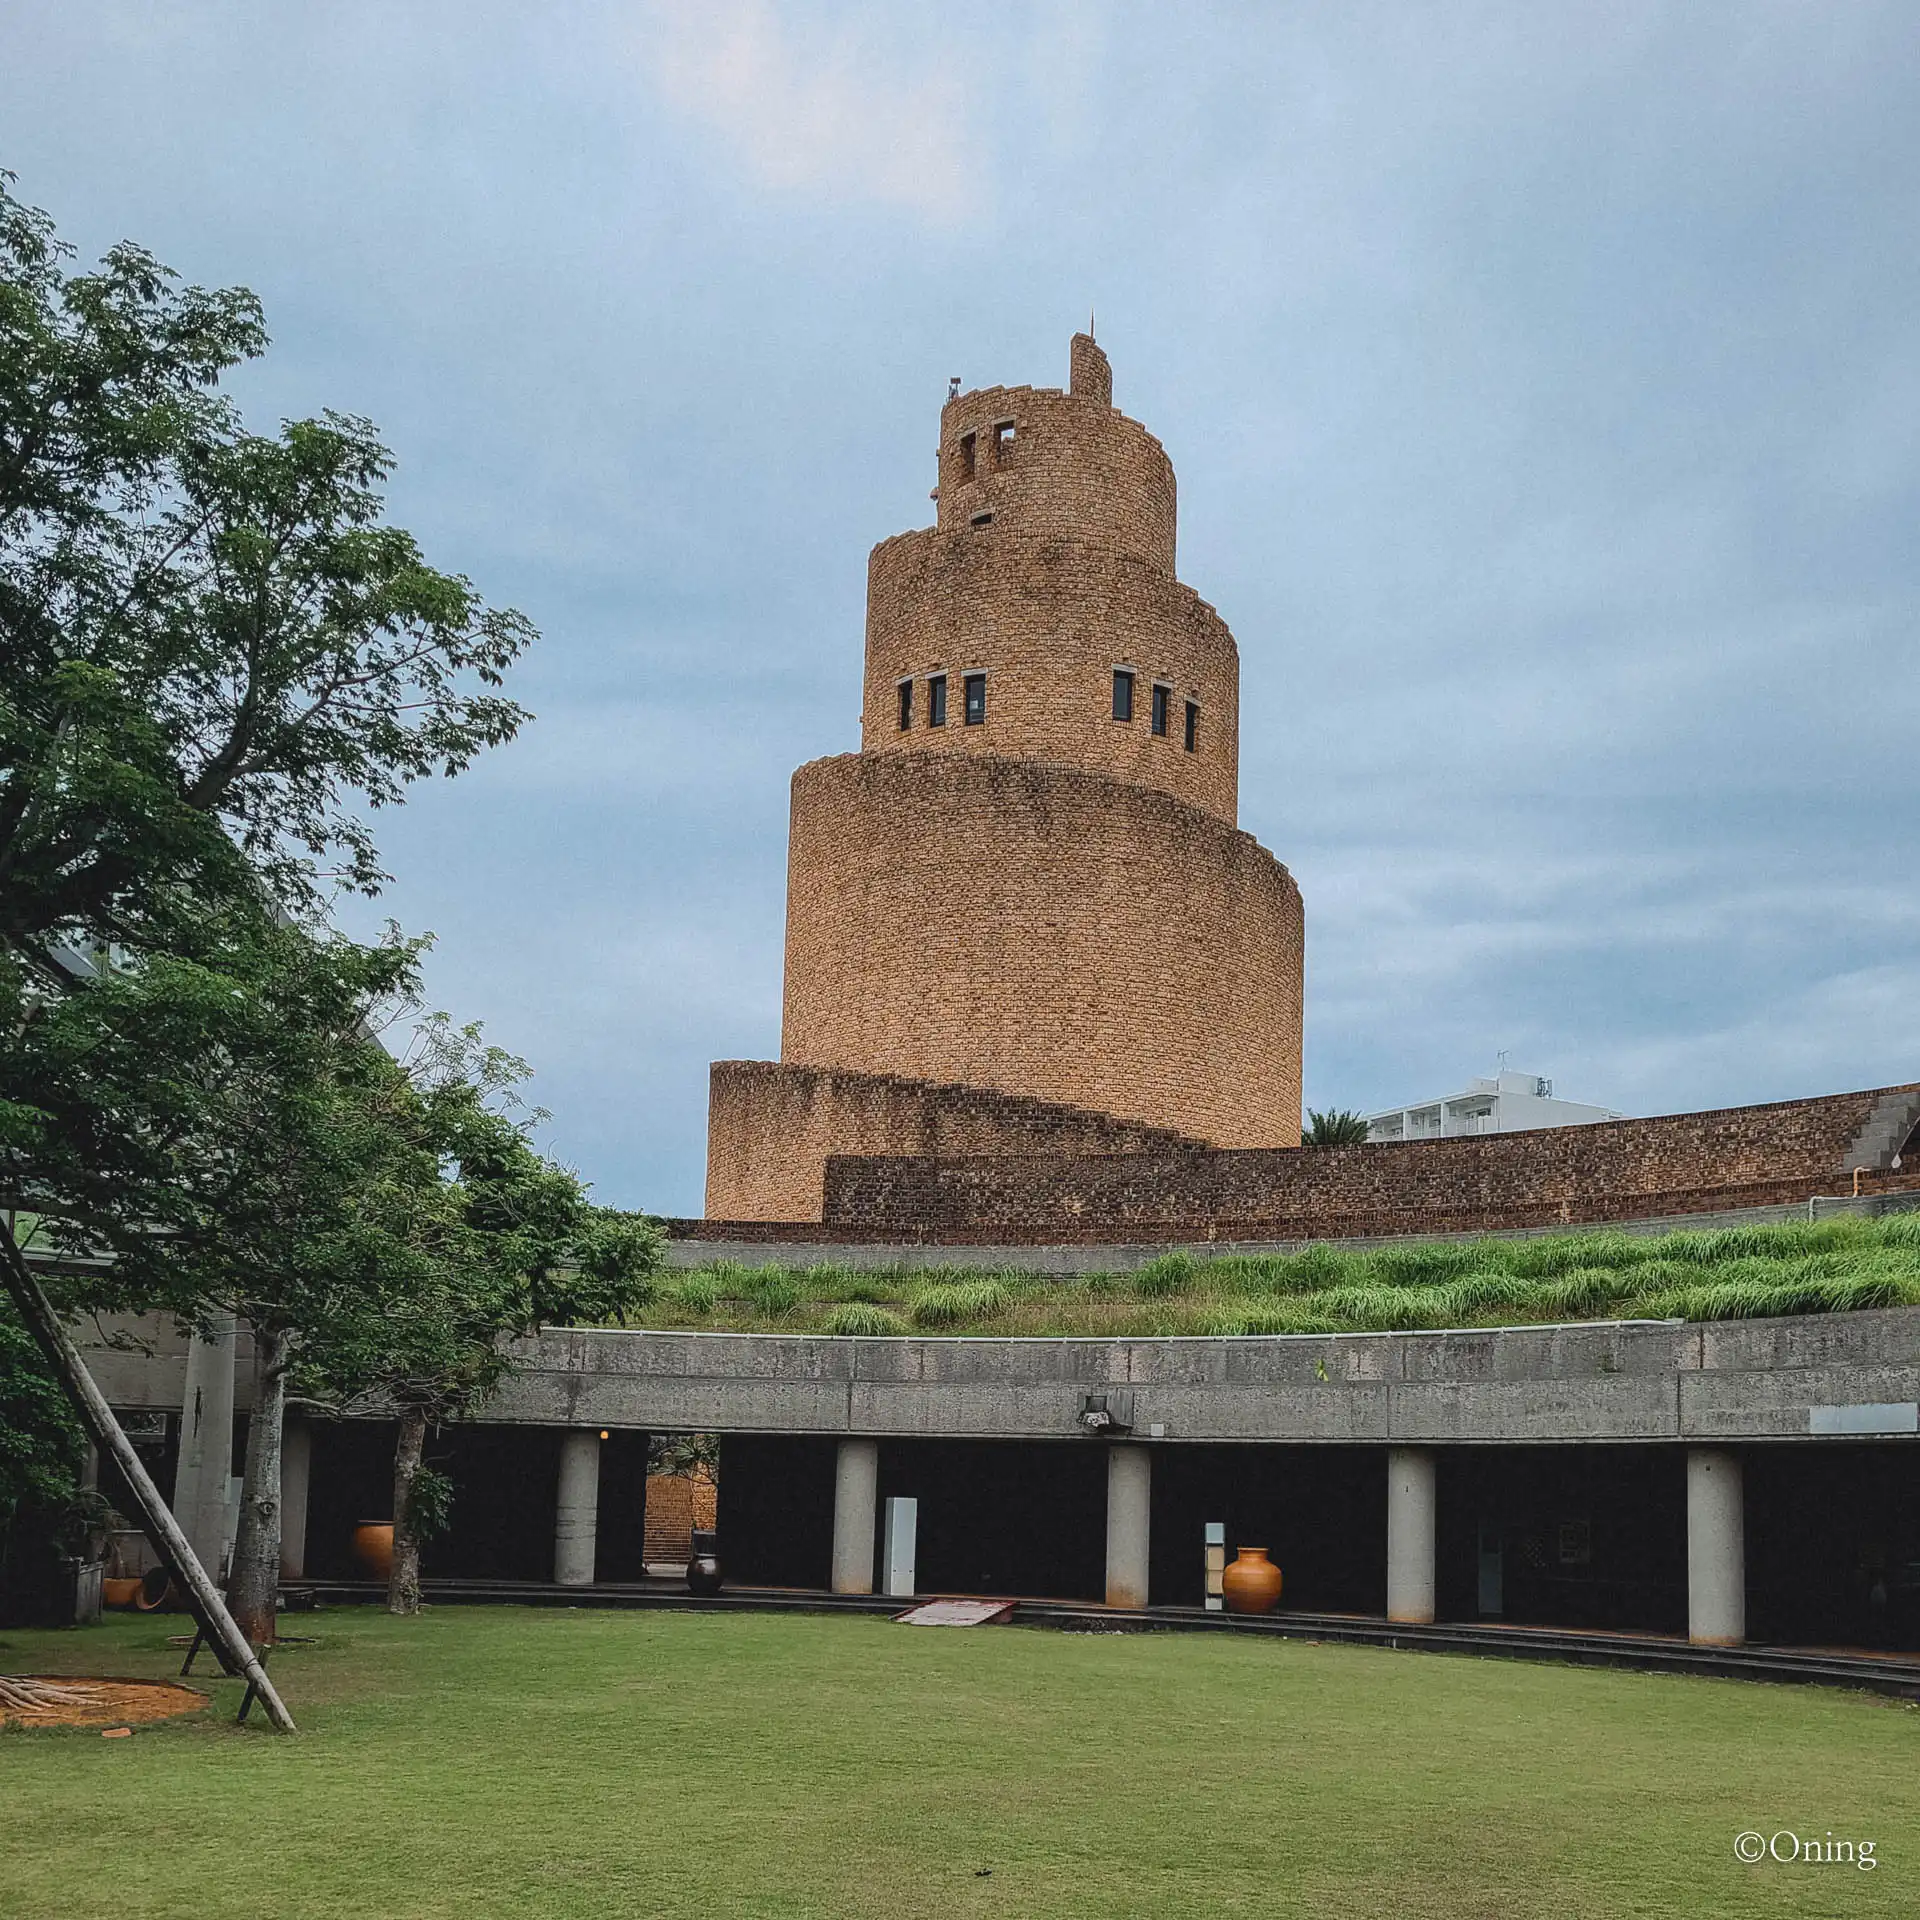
1039,462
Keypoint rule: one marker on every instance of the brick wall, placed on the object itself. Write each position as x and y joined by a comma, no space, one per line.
1047,620
1043,931
1071,464
771,1128
676,1504
1673,1163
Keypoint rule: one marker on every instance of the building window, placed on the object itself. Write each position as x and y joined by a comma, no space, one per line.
1002,442
1123,693
974,703
1162,696
980,520
966,456
1193,725
906,705
937,700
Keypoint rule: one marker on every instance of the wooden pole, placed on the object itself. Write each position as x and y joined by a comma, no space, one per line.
156,1518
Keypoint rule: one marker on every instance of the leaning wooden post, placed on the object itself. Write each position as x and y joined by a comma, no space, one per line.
156,1518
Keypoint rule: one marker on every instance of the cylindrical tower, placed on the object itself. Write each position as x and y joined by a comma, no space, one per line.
1029,881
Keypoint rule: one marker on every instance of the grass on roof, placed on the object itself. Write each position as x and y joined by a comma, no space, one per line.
1828,1266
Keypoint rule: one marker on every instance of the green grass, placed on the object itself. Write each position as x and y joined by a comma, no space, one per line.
1828,1266
562,1765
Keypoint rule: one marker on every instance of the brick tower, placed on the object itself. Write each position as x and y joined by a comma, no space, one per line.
1021,918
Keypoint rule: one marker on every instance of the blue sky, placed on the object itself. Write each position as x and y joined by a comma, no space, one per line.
1542,379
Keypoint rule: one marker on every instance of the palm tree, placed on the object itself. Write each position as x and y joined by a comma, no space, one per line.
1337,1128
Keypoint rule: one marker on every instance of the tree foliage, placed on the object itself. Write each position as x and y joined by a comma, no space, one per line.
1337,1128
217,661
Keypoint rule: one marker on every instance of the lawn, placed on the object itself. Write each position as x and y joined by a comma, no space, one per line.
575,1763
1826,1266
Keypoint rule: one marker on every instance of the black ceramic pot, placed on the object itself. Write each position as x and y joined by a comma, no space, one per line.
703,1570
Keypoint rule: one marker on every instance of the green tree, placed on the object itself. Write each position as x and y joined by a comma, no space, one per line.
215,659
1338,1128
513,1244
40,1446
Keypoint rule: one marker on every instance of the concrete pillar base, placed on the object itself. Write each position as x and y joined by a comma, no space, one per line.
1410,1535
296,1466
577,1518
1129,1523
856,1488
1716,1549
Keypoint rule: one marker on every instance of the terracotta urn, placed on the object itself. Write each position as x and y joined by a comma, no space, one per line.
1252,1583
373,1547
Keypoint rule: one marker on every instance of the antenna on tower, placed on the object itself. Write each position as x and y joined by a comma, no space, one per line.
953,386
1091,335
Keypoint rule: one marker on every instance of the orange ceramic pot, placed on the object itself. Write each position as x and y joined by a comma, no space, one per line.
1252,1583
373,1547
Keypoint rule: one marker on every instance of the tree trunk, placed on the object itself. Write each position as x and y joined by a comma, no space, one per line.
158,1523
253,1590
403,1584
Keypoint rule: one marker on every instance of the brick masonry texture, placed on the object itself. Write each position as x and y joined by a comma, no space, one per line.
815,1111
1624,1169
1048,620
1009,924
1051,906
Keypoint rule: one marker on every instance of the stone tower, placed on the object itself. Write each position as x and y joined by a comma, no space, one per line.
1021,919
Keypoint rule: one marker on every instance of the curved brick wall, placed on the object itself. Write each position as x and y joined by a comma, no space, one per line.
772,1126
1675,1163
1048,620
1073,465
1046,932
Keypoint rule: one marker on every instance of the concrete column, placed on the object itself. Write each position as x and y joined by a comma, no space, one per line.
1129,1523
577,1518
1410,1528
206,1444
1716,1549
856,1487
296,1460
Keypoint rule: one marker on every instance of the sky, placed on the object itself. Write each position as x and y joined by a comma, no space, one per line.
1542,379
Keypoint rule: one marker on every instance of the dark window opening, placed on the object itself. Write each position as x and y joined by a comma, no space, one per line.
937,700
974,704
982,520
966,456
1122,693
1161,697
906,705
1002,442
1193,725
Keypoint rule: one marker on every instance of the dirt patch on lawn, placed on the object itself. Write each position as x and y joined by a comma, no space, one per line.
59,1700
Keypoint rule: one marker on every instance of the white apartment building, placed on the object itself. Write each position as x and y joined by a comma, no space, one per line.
1508,1103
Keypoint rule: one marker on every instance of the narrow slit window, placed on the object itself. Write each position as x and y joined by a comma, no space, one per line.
1162,698
981,520
974,707
1193,725
1123,693
966,456
906,705
937,700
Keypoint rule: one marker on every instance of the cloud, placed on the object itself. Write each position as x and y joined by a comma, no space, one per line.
838,114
